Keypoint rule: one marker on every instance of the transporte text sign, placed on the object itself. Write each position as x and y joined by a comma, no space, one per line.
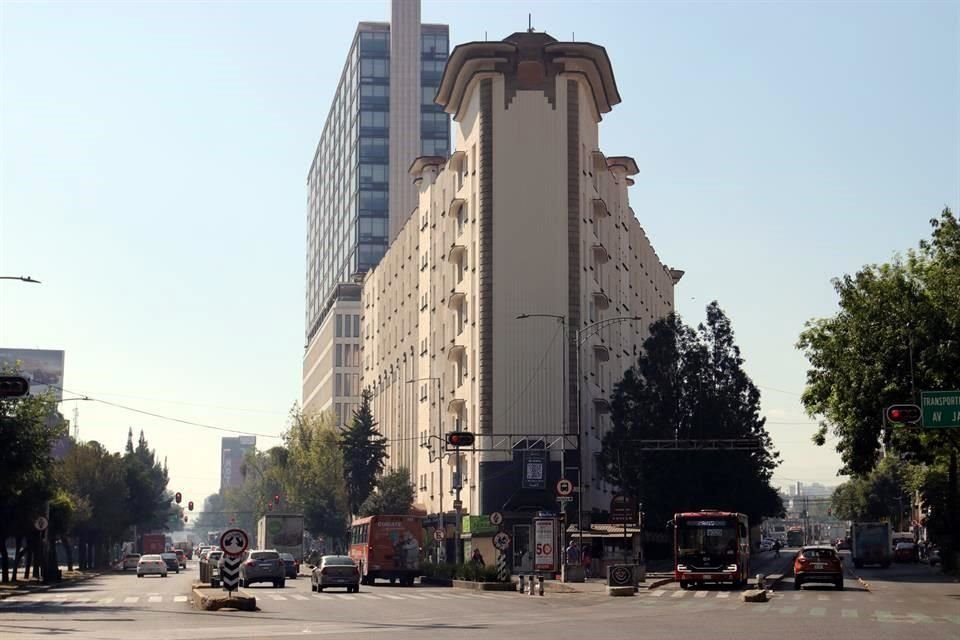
941,409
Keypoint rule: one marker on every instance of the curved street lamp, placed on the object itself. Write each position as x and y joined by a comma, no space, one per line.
21,279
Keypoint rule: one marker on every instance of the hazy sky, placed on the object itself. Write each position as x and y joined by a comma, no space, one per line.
153,162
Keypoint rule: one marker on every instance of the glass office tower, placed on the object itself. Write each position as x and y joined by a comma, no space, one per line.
348,184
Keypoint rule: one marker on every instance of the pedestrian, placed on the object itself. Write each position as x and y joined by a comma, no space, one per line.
585,557
776,548
573,553
477,559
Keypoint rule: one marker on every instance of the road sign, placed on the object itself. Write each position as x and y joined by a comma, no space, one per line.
40,524
545,538
439,535
620,575
496,518
458,504
230,572
503,571
564,487
903,414
234,542
564,499
623,510
501,541
941,409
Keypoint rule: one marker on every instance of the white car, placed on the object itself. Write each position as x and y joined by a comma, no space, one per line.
130,561
151,565
766,545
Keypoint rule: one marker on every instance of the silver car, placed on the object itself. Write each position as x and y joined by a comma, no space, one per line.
262,565
335,571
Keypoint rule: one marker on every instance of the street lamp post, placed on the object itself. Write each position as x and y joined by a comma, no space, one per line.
21,279
429,448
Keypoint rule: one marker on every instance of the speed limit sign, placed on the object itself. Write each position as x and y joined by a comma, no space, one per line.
439,535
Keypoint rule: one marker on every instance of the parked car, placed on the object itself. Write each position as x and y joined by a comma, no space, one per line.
262,565
171,559
151,565
766,544
906,552
130,561
213,558
933,556
817,563
335,571
181,558
291,564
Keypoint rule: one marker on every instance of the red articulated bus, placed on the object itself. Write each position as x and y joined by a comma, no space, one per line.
387,548
711,546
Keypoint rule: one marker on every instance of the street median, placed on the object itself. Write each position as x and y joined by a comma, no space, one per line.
208,598
482,586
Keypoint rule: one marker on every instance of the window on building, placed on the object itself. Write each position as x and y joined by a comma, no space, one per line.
434,147
461,369
374,68
339,411
339,359
339,322
338,384
356,326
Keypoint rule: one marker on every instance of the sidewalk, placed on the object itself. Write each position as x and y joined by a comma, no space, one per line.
24,587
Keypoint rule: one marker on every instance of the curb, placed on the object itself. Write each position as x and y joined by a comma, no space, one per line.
30,587
658,583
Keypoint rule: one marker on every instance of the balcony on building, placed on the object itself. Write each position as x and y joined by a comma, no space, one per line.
601,299
456,252
456,299
600,209
600,253
602,352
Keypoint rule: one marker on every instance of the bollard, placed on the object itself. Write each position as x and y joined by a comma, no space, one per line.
533,586
761,582
541,585
523,584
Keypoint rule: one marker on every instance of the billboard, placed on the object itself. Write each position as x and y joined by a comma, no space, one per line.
42,367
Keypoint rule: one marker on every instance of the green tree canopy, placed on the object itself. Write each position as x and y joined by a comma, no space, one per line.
364,454
394,495
897,332
690,384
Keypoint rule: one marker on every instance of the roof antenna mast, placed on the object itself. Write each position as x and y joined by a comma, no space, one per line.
529,23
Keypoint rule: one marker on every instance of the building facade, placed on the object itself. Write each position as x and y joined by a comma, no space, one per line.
382,117
527,217
232,452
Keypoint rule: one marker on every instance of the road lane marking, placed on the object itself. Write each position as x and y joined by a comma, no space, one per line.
343,596
884,616
155,599
849,613
788,609
723,594
818,611
437,596
797,596
275,596
953,619
678,594
131,600
822,598
700,594
391,596
369,596
658,594
414,596
184,598
297,596
921,617
106,600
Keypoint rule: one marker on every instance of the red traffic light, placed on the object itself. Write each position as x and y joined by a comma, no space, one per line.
190,505
460,439
904,414
276,499
184,518
14,386
269,506
177,497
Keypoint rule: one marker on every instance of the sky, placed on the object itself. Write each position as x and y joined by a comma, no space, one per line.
153,162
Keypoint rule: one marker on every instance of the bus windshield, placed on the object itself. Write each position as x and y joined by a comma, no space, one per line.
706,541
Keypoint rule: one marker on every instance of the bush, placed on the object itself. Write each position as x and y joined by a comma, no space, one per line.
443,570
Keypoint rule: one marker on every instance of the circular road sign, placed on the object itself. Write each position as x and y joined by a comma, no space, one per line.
40,524
564,487
234,542
620,576
501,541
439,535
496,518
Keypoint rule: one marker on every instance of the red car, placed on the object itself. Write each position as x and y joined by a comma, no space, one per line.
906,552
818,563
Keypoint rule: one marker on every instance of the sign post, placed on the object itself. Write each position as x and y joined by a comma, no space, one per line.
502,542
941,409
233,542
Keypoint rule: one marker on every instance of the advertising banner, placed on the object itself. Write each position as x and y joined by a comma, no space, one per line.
545,539
534,470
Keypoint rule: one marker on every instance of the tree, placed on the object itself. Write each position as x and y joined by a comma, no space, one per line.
394,495
317,484
897,331
29,427
690,384
148,503
364,454
883,494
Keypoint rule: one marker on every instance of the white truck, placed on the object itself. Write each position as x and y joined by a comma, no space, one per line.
282,532
871,543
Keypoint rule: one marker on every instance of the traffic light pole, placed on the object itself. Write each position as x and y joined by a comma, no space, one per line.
457,507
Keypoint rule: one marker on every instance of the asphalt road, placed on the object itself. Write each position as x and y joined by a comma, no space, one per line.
121,606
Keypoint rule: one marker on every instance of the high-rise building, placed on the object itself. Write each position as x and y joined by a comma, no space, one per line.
358,192
232,452
517,294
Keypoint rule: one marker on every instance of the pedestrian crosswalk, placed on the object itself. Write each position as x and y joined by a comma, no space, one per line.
103,599
844,605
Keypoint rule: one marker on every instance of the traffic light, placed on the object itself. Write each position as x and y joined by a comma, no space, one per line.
177,497
184,518
190,505
459,439
904,414
276,499
14,386
269,506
